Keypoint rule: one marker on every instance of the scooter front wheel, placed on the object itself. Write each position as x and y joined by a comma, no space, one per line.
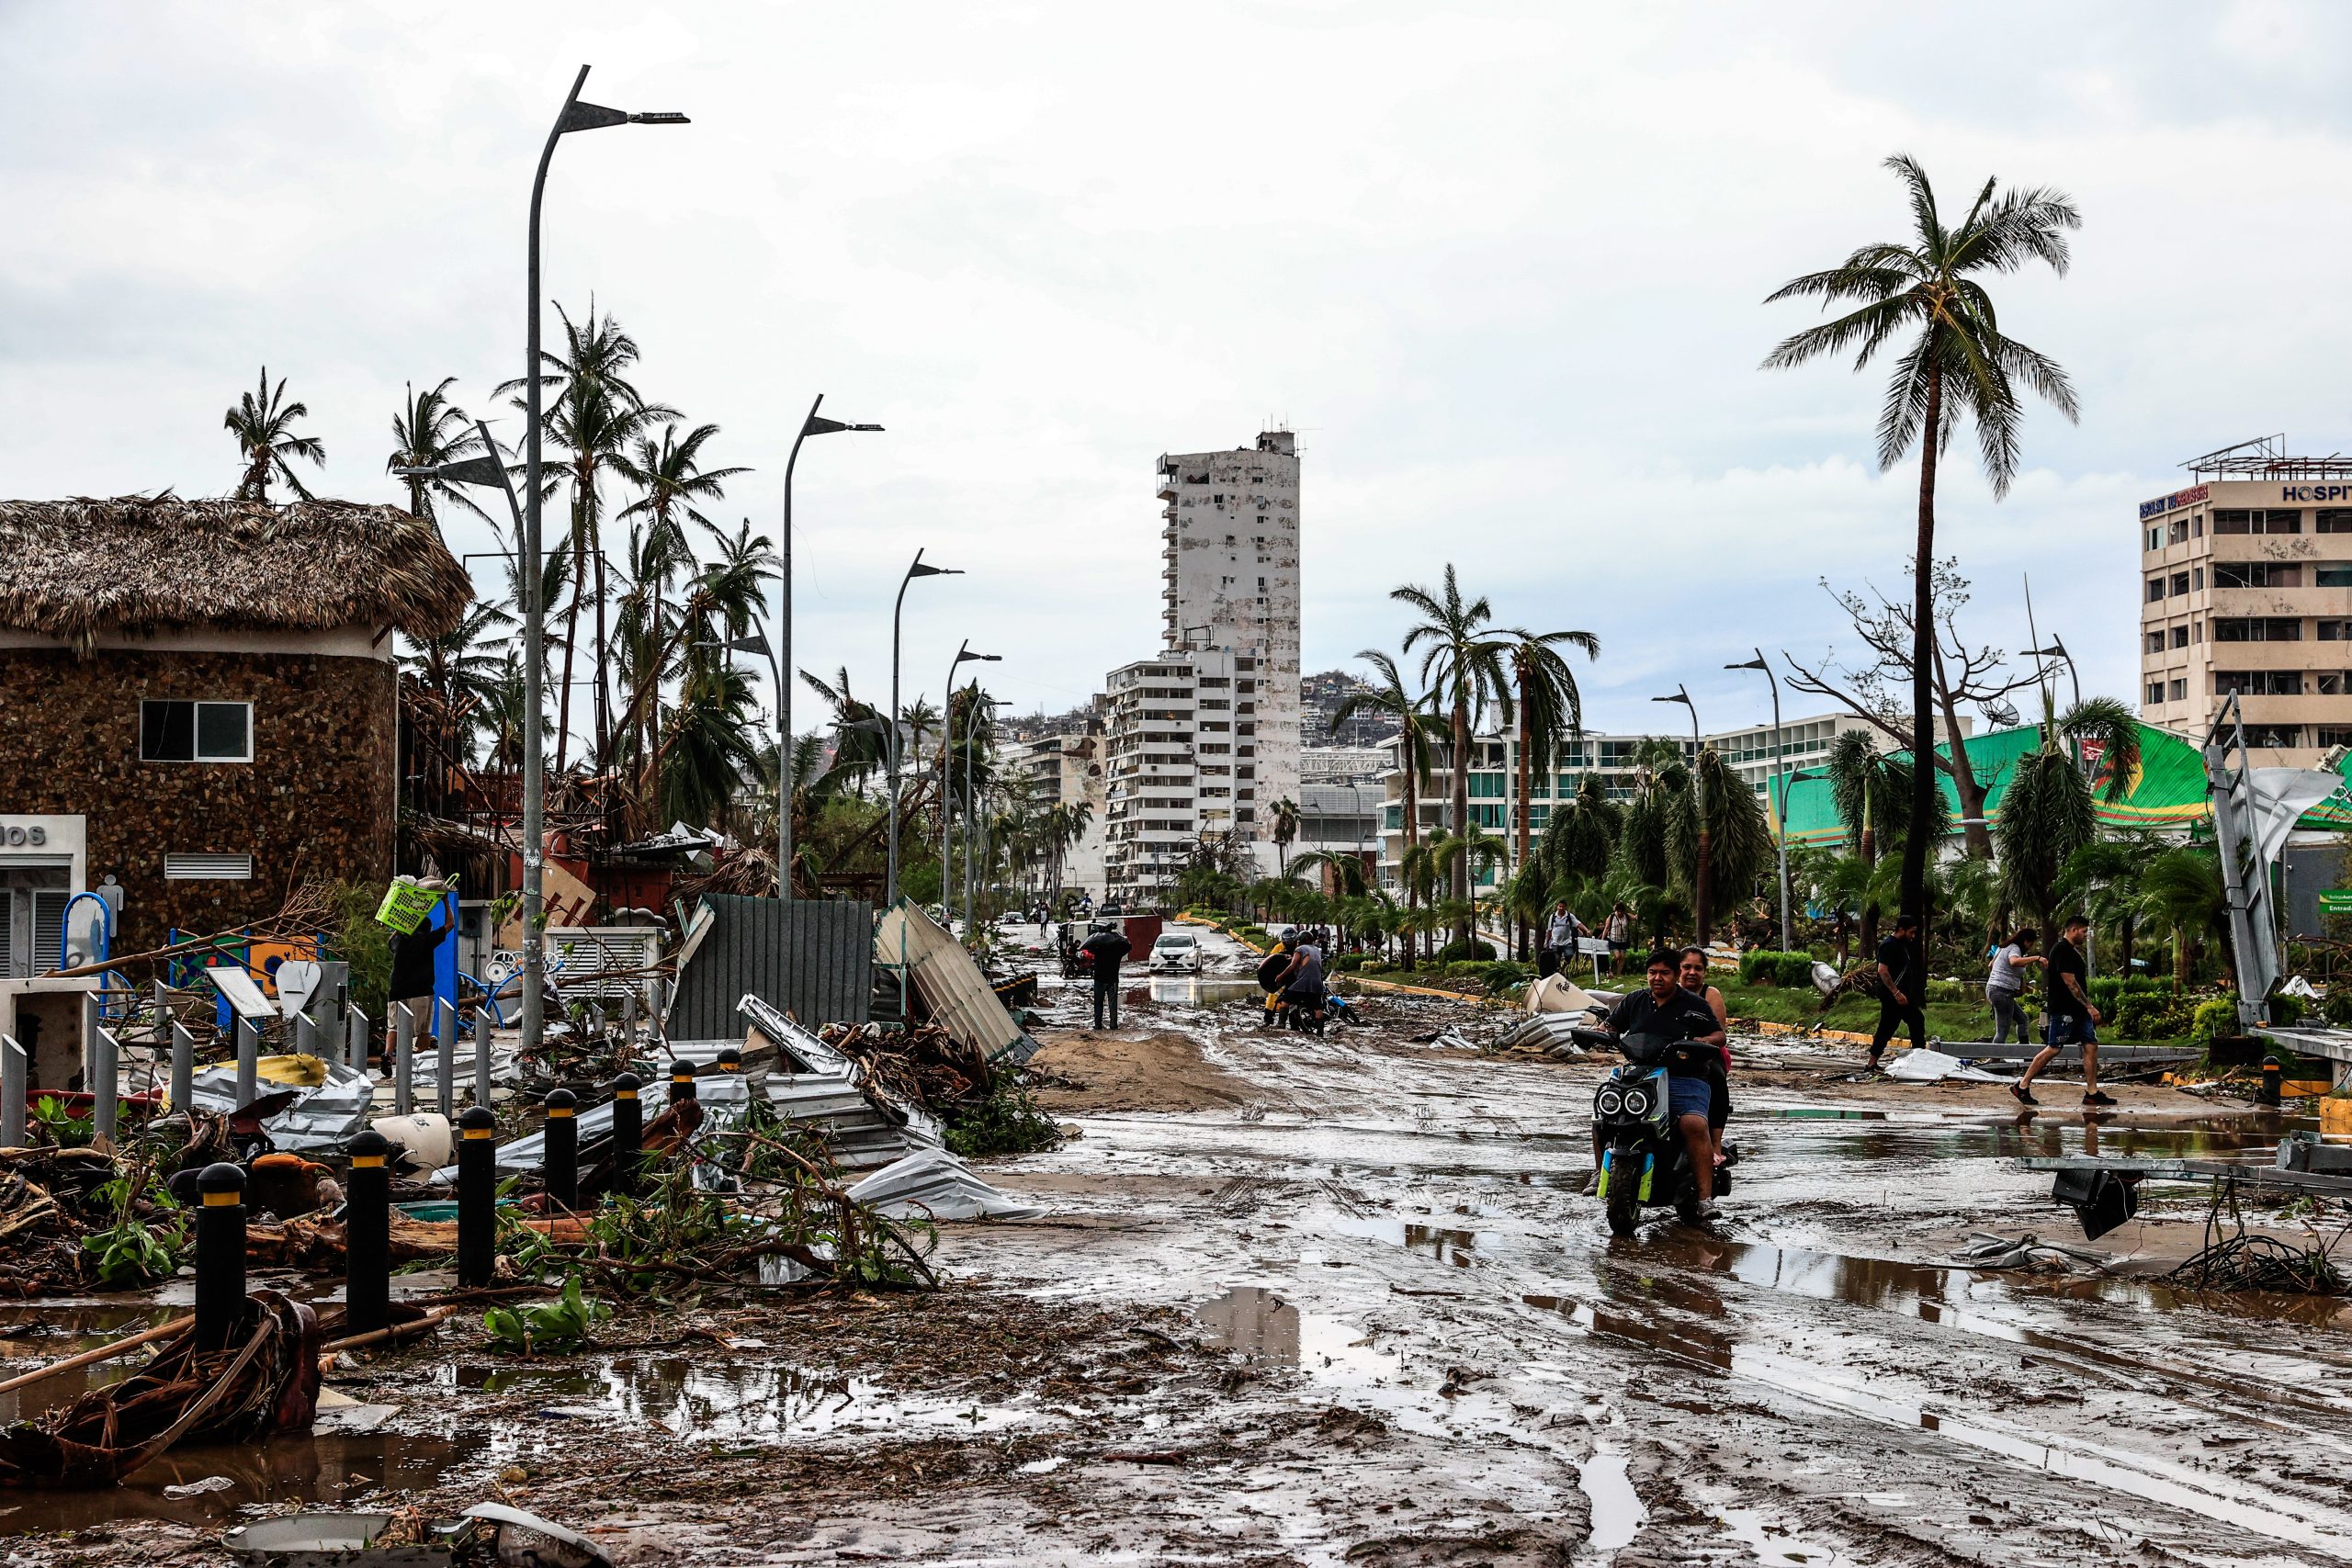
1625,1189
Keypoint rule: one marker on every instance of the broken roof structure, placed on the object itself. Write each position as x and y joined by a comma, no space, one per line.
140,564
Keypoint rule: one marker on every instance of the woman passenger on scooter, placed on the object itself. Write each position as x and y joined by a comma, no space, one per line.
1666,1009
1694,980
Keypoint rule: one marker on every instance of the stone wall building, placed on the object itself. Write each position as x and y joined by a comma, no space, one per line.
199,707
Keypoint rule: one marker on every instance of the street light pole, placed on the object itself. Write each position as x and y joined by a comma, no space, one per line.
964,655
1703,894
890,721
781,657
1779,785
575,116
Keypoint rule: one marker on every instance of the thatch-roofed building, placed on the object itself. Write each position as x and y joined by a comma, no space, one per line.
198,700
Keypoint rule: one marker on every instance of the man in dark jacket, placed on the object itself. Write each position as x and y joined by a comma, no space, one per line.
1106,949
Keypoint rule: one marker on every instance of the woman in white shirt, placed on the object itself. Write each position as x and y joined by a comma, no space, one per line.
2004,986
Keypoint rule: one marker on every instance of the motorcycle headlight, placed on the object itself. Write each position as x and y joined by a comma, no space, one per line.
1609,1102
1638,1102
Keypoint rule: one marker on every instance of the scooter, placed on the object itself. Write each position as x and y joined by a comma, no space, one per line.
1642,1159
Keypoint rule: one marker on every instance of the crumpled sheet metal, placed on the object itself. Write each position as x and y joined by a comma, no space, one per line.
935,1183
1922,1065
319,1118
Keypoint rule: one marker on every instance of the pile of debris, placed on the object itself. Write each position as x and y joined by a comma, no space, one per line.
919,1064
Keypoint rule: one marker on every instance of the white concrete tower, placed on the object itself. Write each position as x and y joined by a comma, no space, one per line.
1230,575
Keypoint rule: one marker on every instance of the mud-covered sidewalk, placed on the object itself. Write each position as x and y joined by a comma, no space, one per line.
1304,1300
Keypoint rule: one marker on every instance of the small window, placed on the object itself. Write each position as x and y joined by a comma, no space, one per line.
2332,520
2180,583
2180,636
2333,735
195,732
2177,691
2155,693
2232,520
2333,574
2333,631
2155,589
2179,532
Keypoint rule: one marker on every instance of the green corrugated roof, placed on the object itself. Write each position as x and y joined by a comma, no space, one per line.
2169,792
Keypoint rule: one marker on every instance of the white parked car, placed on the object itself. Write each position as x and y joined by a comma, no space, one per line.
1176,951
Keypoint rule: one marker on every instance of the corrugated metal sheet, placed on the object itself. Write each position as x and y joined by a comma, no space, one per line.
949,983
813,958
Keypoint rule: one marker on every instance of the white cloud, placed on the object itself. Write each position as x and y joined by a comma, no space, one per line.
1502,265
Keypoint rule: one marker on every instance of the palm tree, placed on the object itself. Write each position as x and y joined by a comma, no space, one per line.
1463,666
1549,705
594,415
859,746
463,668
429,431
1581,833
1718,835
1960,364
1284,819
262,422
2104,877
2048,813
1346,869
2181,893
1388,696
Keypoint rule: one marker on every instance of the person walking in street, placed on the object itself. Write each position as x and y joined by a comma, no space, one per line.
1107,948
2004,986
1617,932
2073,1019
1559,940
1901,979
1302,985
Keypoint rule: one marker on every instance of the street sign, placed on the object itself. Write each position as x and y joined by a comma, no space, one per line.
2335,901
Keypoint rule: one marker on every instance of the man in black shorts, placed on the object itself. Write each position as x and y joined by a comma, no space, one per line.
1900,981
2073,1019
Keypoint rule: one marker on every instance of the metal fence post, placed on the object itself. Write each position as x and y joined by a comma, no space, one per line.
306,1035
481,1056
106,1107
183,1069
629,1019
355,1051
403,1024
248,1062
90,1021
13,1067
445,1040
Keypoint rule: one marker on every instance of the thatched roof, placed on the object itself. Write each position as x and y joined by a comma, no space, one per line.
74,568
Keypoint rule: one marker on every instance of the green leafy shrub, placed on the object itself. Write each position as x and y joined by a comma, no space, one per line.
1348,962
2158,1015
2105,991
2213,1019
1955,992
359,942
1458,951
2338,1009
1375,966
2285,1010
1006,1122
1765,967
529,1329
2148,985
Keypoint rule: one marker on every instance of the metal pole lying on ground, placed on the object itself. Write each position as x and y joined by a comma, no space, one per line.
629,1132
367,1236
183,1067
403,1024
12,1093
445,1060
477,1196
220,1257
248,1061
559,1149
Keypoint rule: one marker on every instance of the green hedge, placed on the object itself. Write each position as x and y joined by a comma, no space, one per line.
1460,951
1348,962
1765,967
2154,1015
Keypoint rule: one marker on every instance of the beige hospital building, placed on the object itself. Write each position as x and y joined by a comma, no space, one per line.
2245,587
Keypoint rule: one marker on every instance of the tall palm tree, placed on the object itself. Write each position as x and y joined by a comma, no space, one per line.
1727,846
593,413
262,422
463,668
429,431
1283,818
2049,813
1388,697
1463,663
1959,364
2181,893
1581,833
1549,706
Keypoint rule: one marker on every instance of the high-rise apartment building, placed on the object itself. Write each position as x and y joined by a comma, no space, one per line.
2245,588
1203,738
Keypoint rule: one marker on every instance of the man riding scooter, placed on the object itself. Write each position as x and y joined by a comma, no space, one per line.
1665,1009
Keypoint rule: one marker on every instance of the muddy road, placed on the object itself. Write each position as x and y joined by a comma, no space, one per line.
1304,1300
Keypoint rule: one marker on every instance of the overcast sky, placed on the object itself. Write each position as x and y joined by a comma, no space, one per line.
1501,266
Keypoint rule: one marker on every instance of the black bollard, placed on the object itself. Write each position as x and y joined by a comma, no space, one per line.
220,1257
559,1149
682,1080
628,1132
477,1196
2270,1075
731,1058
367,1236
